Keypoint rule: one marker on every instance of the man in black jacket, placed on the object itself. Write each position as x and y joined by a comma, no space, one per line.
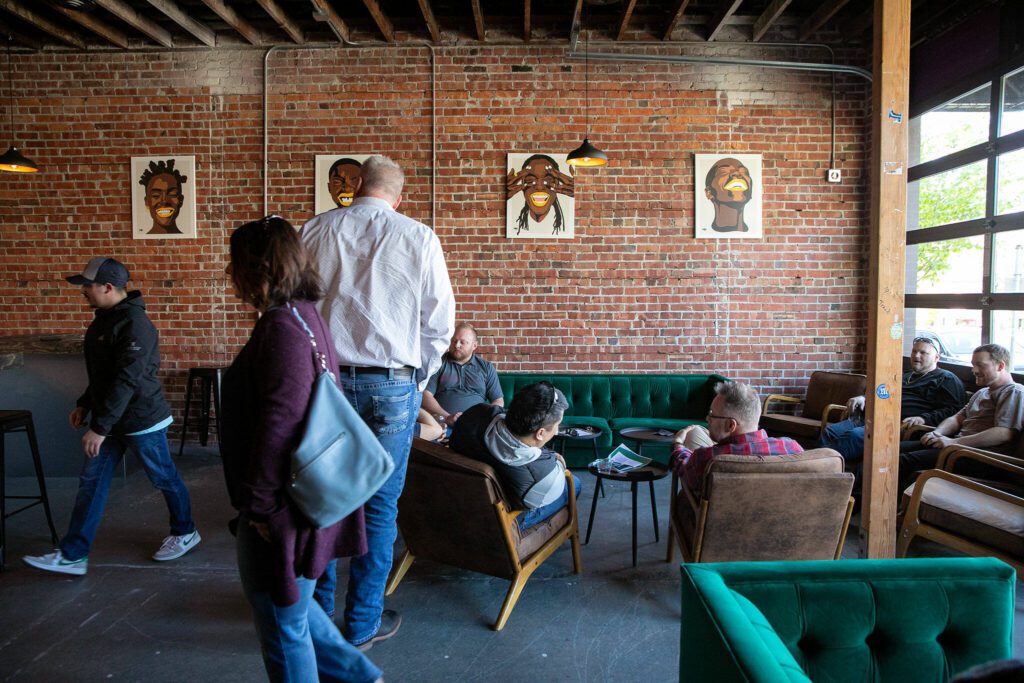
127,412
513,444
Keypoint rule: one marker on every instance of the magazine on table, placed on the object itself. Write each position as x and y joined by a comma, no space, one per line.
622,459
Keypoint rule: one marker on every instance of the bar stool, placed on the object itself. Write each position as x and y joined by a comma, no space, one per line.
209,379
12,421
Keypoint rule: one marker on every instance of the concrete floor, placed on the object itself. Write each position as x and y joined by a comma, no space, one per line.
134,619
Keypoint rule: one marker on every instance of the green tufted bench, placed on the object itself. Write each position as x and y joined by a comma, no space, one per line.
614,402
844,620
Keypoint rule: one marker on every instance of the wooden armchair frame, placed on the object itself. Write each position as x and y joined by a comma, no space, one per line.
913,526
840,412
523,569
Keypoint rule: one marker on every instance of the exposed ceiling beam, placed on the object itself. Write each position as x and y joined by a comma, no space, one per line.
140,23
768,17
283,20
676,16
93,24
228,14
825,11
42,23
381,19
324,12
428,16
574,26
726,9
202,32
478,19
624,23
526,20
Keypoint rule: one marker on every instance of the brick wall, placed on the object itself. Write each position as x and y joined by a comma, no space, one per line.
633,292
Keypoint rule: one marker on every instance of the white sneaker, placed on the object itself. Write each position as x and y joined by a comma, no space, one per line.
56,562
174,547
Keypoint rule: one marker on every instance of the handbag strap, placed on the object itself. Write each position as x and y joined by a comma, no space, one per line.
319,357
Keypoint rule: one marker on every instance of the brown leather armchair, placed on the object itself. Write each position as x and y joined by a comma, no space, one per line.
453,511
827,394
777,507
978,517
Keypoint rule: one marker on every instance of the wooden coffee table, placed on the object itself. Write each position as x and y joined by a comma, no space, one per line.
650,472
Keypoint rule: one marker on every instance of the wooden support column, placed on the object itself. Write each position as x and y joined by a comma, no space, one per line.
890,120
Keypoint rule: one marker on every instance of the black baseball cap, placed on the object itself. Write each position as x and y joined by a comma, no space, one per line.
102,270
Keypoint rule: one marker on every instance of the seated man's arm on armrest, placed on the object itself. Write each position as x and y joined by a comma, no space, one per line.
431,405
993,436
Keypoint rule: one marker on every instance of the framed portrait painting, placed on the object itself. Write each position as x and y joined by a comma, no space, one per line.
335,178
539,201
163,197
727,196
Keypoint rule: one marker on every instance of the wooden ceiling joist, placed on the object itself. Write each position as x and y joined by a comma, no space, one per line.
232,18
627,14
478,19
202,32
326,13
428,16
283,20
574,26
42,23
381,19
674,20
768,17
725,10
138,22
826,10
526,20
90,22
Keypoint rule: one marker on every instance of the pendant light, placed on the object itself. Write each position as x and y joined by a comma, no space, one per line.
586,154
12,160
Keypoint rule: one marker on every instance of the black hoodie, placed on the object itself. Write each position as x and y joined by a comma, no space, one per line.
122,356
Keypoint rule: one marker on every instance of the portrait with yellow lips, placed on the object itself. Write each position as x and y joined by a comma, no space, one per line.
336,177
727,195
539,197
163,201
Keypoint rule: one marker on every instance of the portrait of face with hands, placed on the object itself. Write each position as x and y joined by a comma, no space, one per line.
539,197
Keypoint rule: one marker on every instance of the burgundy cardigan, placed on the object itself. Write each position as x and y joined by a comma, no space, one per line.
264,396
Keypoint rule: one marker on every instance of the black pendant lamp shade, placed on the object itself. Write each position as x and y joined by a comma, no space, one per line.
16,162
586,155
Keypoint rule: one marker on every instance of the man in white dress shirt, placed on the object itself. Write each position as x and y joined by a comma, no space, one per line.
390,310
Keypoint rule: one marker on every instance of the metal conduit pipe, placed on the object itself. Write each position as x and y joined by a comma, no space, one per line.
735,61
433,117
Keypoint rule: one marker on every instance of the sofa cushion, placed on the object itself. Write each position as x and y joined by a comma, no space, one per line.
529,541
770,638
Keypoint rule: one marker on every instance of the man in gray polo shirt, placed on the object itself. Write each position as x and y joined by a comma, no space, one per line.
464,380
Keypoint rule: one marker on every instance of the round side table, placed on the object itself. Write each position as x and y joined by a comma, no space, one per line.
650,472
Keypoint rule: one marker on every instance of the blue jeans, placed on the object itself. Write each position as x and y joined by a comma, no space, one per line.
94,484
299,642
538,515
389,407
847,438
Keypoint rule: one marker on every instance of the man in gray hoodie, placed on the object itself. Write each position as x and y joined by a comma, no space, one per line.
512,443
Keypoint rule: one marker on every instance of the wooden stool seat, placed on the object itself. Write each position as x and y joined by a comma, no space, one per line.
13,421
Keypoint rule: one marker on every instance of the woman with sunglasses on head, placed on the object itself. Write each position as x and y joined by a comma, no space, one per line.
265,396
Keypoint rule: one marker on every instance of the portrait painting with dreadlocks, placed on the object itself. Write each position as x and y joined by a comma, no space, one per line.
534,208
158,208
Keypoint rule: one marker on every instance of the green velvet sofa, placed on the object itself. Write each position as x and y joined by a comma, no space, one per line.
844,620
614,402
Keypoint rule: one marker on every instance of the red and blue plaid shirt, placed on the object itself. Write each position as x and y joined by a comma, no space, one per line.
691,465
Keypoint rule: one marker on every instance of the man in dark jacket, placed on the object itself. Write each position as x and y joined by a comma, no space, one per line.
127,411
513,444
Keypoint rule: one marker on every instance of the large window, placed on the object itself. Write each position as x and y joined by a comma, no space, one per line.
965,221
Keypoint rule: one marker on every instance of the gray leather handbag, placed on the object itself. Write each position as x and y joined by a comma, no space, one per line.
339,463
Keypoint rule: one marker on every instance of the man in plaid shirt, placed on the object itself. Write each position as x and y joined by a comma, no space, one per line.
732,430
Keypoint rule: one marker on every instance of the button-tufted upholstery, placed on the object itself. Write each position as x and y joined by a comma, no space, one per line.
844,620
614,402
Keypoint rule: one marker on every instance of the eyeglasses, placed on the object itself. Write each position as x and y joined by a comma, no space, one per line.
711,416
